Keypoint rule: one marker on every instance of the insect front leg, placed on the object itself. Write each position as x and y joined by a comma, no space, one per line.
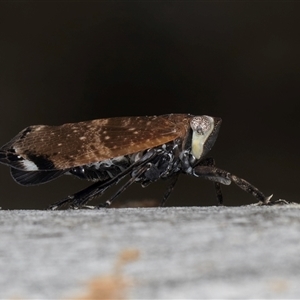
224,177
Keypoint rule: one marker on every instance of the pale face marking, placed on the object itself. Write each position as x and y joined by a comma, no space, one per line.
202,127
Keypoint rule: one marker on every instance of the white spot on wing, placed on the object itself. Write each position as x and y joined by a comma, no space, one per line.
38,128
29,165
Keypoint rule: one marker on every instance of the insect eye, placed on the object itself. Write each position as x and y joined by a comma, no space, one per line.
200,131
201,124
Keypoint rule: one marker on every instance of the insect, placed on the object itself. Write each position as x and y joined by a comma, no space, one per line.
104,151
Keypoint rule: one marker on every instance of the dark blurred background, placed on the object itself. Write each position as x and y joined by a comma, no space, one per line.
74,61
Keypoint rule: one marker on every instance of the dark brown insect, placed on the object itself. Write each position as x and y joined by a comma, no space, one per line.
107,150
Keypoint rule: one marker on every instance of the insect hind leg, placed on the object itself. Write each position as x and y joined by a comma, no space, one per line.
129,182
79,199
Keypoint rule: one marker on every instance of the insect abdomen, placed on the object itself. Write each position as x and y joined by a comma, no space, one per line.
102,170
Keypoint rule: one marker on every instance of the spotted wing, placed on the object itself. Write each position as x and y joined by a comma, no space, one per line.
45,148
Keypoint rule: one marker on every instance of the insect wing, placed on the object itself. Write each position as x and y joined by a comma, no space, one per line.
42,147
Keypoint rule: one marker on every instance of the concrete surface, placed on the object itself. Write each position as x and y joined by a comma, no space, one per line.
187,252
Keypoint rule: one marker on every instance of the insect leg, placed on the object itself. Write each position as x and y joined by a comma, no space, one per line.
80,198
224,177
170,189
209,161
137,174
249,188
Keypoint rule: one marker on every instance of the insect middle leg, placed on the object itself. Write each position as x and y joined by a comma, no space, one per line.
170,189
210,162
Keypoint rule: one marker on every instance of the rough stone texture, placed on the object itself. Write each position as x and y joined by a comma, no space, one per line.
187,252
